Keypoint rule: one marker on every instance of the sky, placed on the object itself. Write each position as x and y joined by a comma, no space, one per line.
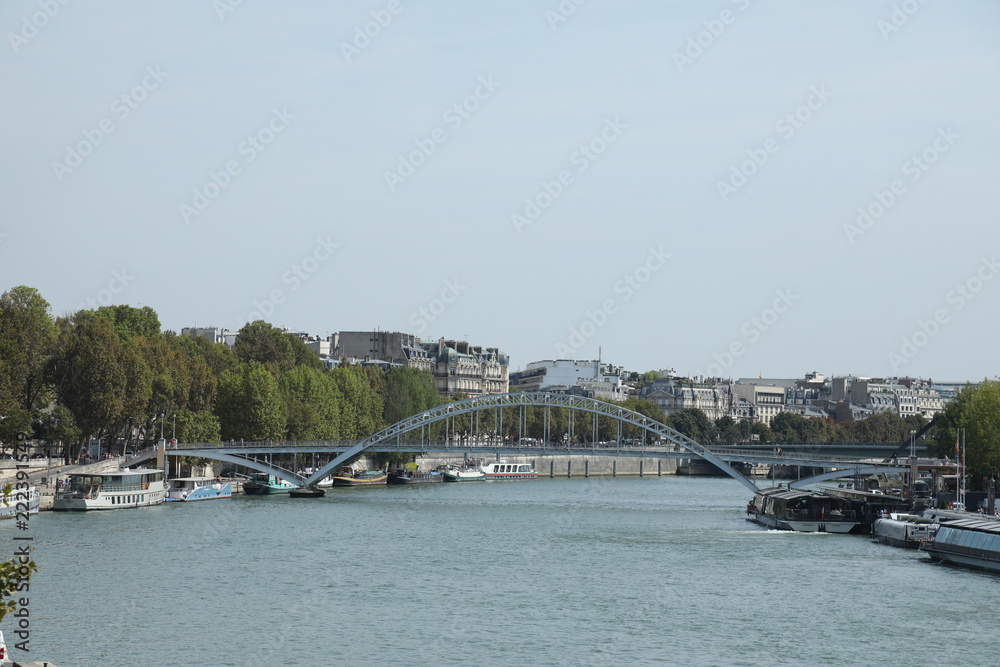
731,188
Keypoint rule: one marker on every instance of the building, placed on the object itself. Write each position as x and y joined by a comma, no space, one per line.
211,334
590,378
393,347
675,394
467,369
770,400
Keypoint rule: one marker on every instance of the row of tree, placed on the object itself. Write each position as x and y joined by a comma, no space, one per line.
111,373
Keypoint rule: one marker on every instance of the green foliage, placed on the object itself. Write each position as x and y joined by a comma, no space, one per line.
693,423
977,410
13,573
129,322
259,341
408,391
360,406
98,377
311,400
249,404
27,340
196,426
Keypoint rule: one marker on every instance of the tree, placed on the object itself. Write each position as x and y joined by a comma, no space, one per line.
693,423
129,322
310,399
197,426
98,377
729,432
249,404
408,391
27,340
279,352
976,409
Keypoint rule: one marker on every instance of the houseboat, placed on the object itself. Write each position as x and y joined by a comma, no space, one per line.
904,530
117,490
972,543
415,476
263,484
348,477
803,511
505,470
23,501
190,489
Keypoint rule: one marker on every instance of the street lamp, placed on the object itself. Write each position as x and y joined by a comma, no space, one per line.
913,447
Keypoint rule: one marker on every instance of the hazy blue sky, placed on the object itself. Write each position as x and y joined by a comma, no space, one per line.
695,165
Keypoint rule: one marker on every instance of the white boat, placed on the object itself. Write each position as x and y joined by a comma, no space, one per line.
190,489
463,474
20,501
904,530
505,470
117,490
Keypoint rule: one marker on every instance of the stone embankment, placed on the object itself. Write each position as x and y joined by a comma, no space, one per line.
572,465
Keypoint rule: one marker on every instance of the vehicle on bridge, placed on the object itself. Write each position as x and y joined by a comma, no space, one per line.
117,490
263,484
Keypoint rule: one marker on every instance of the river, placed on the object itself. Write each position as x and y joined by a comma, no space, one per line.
654,570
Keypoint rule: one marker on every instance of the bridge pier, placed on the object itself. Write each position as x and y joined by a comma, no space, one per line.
659,468
552,468
641,462
586,468
614,468
569,468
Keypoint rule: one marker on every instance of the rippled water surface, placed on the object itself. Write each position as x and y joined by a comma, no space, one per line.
543,572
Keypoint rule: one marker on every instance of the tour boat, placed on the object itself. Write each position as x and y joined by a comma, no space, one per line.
802,511
504,470
190,489
117,490
22,501
466,474
972,543
347,477
263,484
904,530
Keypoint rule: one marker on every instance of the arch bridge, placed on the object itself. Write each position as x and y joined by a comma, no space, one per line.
391,438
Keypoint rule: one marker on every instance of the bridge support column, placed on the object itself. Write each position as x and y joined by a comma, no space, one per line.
586,468
659,468
569,468
614,468
641,462
552,468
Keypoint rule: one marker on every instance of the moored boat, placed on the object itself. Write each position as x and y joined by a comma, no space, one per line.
21,501
803,511
972,543
416,476
121,489
190,489
348,477
904,530
263,484
505,470
463,474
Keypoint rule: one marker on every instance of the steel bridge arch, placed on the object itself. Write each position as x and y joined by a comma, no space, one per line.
861,469
529,399
240,460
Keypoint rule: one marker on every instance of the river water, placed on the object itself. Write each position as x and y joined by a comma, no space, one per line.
595,571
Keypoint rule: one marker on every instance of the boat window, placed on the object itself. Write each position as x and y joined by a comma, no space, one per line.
978,540
964,538
991,543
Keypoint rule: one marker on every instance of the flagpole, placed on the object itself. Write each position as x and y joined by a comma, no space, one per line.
963,469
